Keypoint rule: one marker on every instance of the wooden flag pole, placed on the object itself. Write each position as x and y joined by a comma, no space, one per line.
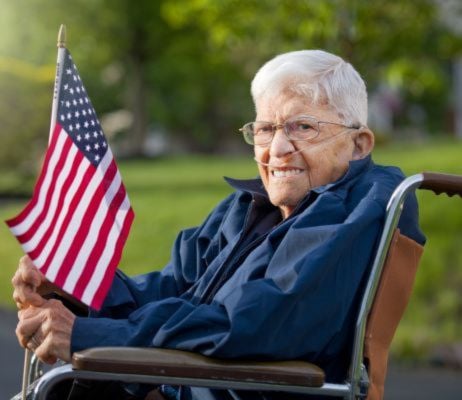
54,111
59,72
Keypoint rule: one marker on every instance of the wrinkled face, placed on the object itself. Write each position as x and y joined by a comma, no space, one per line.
297,167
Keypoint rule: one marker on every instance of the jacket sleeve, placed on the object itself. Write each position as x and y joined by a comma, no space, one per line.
297,306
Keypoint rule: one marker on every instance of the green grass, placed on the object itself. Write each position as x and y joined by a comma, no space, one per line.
170,194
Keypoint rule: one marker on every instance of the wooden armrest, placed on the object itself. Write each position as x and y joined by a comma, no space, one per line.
176,363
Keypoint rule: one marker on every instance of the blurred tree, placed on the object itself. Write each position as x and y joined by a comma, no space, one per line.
186,64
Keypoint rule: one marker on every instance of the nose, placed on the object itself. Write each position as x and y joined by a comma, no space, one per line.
281,146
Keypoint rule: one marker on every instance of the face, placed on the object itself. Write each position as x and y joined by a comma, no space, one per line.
296,167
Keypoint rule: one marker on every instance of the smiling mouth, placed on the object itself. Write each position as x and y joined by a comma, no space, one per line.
285,173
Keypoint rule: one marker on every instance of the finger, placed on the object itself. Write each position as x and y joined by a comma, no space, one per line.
24,295
29,272
46,351
27,327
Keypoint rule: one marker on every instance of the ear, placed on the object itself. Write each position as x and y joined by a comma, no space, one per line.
363,140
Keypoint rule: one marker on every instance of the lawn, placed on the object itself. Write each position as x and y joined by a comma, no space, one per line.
173,193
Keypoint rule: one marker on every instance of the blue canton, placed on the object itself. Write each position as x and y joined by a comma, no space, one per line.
77,115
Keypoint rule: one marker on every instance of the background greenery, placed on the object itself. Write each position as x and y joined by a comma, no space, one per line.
183,68
174,193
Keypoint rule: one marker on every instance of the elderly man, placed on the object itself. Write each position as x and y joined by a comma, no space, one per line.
275,270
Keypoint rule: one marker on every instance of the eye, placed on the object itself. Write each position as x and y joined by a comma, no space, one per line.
303,126
263,129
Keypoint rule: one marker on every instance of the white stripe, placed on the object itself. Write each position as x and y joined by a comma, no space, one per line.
32,243
77,217
39,261
90,241
22,227
101,268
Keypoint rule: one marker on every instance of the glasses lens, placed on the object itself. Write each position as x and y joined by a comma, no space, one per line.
303,128
262,132
247,131
258,133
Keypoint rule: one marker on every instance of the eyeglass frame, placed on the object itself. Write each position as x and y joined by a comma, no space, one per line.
283,125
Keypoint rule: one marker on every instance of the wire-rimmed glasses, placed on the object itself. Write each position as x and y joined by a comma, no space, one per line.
300,128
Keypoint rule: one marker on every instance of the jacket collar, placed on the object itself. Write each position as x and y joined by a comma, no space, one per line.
256,188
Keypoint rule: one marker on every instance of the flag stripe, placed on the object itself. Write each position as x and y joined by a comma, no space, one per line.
67,192
100,244
91,222
111,255
43,256
84,203
35,233
41,252
22,222
106,282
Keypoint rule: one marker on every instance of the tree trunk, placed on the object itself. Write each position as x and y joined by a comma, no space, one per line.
137,95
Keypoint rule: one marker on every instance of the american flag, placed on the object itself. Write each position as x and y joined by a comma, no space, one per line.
76,224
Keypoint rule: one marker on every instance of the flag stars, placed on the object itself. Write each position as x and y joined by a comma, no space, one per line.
69,115
68,104
79,138
96,146
71,91
77,126
86,124
95,134
76,114
62,117
87,136
71,128
69,71
97,157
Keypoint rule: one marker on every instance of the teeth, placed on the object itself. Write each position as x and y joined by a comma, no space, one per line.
285,173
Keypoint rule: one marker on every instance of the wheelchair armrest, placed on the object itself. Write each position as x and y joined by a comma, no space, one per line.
176,363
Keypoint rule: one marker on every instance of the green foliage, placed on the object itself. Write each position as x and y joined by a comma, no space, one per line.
186,65
171,194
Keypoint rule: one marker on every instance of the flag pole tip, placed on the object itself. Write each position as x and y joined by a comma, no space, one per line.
62,36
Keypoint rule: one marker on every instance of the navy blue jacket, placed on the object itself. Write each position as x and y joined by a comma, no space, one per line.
246,284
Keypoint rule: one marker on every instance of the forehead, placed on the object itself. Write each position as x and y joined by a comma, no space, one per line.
286,105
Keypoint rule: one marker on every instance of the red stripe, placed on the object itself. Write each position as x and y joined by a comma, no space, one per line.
67,184
100,243
32,203
52,188
86,179
85,224
106,283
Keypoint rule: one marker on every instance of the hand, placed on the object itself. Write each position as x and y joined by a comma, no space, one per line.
25,281
46,330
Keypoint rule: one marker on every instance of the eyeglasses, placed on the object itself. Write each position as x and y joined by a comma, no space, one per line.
301,128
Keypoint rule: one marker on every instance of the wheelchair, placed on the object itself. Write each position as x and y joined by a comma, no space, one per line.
383,303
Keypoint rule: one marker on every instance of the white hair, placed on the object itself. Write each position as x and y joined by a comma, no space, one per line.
318,75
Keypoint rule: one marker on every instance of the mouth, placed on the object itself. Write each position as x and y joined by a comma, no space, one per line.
285,172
